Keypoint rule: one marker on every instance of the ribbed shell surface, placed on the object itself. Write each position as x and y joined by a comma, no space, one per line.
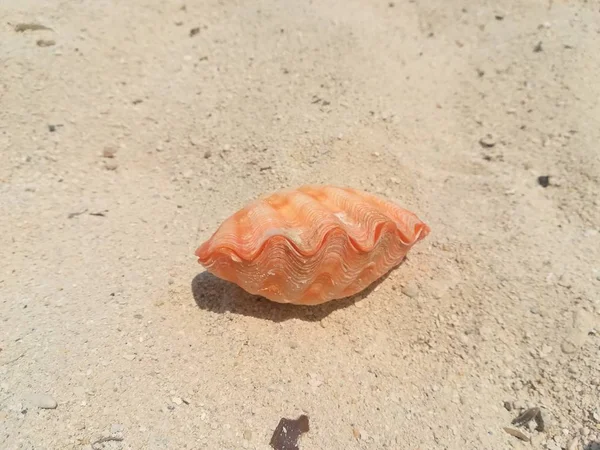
311,244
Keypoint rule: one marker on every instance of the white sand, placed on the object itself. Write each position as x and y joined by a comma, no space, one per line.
111,315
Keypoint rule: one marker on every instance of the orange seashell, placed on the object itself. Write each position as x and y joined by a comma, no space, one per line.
311,244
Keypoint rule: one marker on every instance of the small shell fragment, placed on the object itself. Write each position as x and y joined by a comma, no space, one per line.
312,244
517,433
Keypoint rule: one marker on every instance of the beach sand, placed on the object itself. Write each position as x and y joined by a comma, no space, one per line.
130,130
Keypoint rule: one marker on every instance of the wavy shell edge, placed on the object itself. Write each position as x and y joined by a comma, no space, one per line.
420,231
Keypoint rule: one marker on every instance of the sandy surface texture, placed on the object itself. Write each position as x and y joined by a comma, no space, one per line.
130,130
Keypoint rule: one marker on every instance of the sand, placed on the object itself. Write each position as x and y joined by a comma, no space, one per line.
129,130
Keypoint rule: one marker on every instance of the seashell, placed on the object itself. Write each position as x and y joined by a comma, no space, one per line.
312,244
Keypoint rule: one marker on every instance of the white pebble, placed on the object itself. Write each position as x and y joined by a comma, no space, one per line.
410,290
42,401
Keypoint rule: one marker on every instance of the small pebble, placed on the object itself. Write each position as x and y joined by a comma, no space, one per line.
129,357
544,180
207,154
247,435
487,141
109,152
111,165
177,400
410,290
45,42
42,401
545,351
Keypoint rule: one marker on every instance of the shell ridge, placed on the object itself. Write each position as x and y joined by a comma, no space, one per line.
310,252
344,201
328,256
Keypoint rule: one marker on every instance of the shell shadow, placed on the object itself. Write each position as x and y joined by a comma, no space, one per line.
592,446
219,296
